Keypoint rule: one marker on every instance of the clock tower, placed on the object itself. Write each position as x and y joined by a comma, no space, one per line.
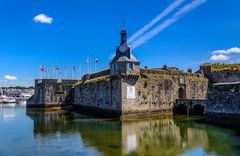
124,62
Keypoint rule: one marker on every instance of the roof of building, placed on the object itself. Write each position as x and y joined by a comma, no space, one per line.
123,51
125,59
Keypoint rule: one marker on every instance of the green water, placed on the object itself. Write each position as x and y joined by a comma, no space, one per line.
64,133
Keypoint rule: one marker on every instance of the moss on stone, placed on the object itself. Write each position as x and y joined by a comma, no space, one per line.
103,78
221,67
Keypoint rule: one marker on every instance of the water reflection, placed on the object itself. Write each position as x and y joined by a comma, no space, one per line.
7,111
167,136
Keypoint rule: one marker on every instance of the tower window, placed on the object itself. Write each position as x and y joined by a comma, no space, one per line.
114,67
131,66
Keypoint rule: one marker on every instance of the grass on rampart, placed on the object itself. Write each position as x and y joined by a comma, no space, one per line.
221,67
103,78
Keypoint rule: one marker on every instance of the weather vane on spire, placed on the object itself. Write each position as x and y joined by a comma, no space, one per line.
123,23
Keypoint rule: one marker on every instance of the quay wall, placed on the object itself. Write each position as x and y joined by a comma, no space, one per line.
51,93
136,95
223,105
220,76
223,97
99,96
159,93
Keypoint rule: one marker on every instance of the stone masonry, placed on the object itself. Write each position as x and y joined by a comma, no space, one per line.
51,93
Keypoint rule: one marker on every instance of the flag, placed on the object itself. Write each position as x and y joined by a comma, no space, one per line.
73,68
48,69
87,60
56,67
42,68
64,68
96,60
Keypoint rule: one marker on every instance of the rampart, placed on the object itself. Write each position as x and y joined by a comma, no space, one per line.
154,91
223,104
51,93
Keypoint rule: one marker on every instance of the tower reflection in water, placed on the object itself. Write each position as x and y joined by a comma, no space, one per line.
166,136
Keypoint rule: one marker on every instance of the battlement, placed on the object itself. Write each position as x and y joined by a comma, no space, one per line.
219,73
102,73
51,93
174,72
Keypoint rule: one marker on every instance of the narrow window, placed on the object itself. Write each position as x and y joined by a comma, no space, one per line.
131,66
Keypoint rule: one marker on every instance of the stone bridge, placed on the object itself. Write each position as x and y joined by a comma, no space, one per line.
190,106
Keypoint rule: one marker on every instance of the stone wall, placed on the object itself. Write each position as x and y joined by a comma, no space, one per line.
137,95
224,76
223,105
159,94
220,76
99,96
96,75
51,93
168,71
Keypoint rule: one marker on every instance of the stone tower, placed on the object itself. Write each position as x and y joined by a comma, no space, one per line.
124,63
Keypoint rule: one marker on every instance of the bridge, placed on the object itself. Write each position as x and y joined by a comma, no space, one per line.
190,106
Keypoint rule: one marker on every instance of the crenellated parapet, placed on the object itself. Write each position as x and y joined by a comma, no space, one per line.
51,93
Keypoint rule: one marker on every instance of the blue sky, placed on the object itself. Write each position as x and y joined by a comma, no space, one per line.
92,28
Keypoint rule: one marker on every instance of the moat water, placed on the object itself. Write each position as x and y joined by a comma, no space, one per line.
24,133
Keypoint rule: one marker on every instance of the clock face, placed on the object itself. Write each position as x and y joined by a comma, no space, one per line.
122,48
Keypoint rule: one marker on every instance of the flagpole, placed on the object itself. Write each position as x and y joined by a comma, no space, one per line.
72,72
53,74
95,66
90,65
80,72
65,72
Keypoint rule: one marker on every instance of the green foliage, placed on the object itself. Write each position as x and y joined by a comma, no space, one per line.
103,78
221,67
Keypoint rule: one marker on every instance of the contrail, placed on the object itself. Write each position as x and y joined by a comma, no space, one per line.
167,11
167,23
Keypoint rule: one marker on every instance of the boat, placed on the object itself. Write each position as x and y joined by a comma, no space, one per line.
3,98
22,100
9,100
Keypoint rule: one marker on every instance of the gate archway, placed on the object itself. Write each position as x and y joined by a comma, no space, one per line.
181,93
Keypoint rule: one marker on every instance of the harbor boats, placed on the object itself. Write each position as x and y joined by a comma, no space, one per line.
6,99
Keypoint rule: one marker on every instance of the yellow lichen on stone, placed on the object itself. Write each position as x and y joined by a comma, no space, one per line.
103,78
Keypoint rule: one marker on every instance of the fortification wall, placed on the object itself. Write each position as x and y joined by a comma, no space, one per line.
159,94
218,75
51,93
168,72
101,95
223,105
224,76
102,73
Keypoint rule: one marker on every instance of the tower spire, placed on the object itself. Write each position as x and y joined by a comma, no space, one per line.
123,32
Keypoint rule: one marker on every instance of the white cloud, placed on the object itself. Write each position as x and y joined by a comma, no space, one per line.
234,50
220,57
42,18
10,78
